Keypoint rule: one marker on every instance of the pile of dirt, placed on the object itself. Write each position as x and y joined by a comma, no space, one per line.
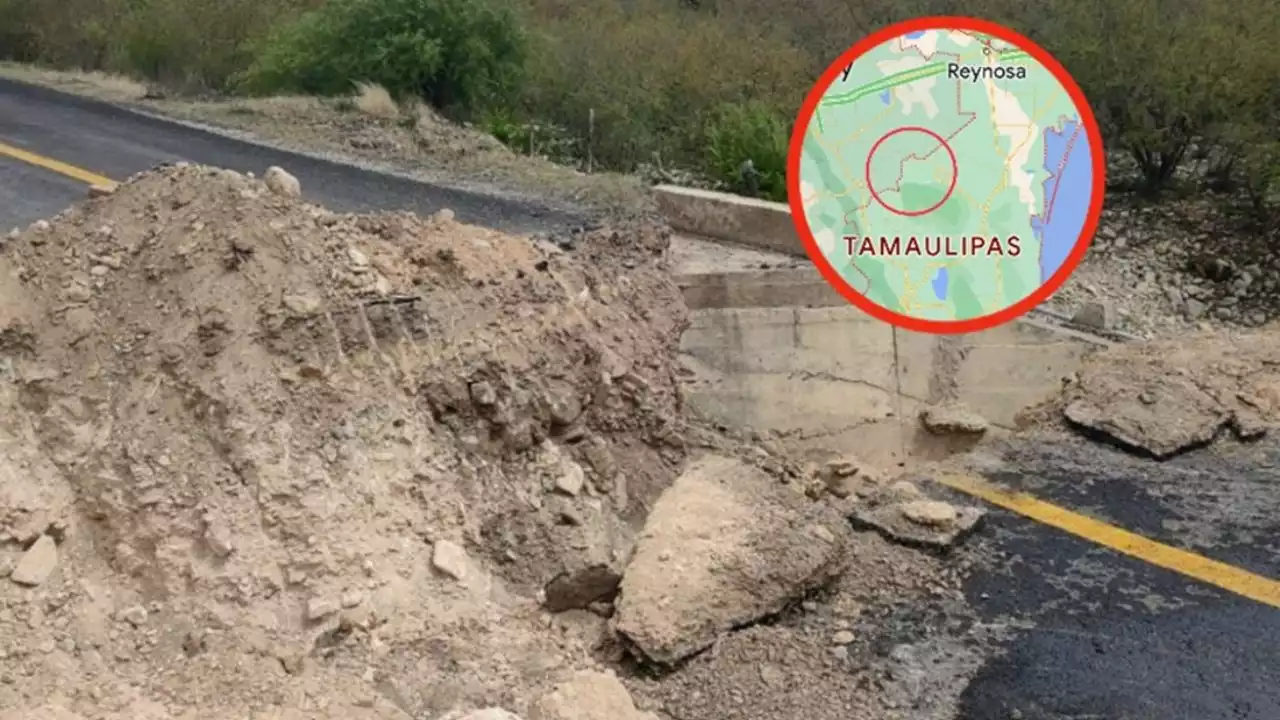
313,435
1164,397
262,460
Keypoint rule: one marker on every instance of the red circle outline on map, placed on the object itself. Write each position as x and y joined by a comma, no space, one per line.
832,276
955,171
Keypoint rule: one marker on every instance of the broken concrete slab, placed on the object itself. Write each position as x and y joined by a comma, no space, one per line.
589,696
724,546
1159,415
903,514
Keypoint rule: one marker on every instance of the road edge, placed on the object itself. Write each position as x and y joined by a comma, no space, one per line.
421,177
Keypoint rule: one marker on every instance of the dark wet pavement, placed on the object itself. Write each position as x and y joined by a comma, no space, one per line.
1095,634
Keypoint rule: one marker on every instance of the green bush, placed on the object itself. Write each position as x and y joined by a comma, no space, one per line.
639,79
456,54
751,131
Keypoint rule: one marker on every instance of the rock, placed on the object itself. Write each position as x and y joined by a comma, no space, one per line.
301,304
280,182
319,608
483,394
135,615
952,418
443,215
563,406
450,559
932,513
577,590
37,563
839,477
901,513
77,293
574,548
843,637
842,467
724,546
218,538
40,226
97,191
1194,309
357,258
588,696
572,478
1094,315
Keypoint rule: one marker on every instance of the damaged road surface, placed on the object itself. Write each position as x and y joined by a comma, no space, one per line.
1092,633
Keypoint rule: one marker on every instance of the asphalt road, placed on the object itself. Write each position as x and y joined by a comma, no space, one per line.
117,143
1097,634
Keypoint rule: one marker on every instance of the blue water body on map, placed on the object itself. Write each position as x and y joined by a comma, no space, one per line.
1066,195
884,97
914,35
940,284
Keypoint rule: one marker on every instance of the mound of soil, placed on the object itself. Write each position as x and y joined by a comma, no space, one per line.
269,443
260,460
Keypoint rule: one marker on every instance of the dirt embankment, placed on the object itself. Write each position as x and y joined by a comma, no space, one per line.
262,460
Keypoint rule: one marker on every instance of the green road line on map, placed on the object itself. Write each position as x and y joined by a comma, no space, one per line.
902,78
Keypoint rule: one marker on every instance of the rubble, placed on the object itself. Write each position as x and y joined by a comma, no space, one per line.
728,531
902,513
280,462
263,409
952,418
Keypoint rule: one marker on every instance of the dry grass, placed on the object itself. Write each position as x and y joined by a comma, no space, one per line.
374,100
101,85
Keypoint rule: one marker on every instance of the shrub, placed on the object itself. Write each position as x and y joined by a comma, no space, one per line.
652,72
754,132
456,54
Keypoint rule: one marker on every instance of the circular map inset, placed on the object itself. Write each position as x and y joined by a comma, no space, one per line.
946,175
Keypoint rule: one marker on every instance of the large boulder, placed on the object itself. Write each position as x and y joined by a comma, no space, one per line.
724,546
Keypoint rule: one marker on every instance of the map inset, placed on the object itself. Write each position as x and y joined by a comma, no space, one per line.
946,175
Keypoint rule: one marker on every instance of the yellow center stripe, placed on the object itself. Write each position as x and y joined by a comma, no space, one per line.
1221,575
57,166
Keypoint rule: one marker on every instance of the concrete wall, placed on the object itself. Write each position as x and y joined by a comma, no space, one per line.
797,359
729,218
780,350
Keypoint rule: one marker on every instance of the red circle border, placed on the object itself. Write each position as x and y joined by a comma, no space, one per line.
946,327
955,171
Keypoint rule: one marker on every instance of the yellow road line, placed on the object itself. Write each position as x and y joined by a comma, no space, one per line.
57,166
1218,574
